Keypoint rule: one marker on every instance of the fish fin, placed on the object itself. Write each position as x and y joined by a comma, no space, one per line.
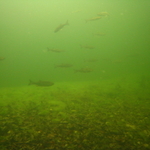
86,20
67,23
30,82
75,71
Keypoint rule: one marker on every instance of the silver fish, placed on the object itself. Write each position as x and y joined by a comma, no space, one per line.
41,83
61,26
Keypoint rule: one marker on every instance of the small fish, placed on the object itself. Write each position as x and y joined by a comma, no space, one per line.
84,70
133,54
117,61
91,60
64,65
87,46
2,58
100,34
55,50
93,19
61,26
41,83
106,14
76,11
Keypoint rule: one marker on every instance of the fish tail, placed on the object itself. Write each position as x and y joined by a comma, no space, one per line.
81,46
55,66
30,82
75,71
67,23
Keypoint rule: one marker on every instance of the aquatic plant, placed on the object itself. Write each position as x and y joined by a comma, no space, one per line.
73,119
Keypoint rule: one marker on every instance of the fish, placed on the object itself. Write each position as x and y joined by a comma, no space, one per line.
100,34
117,61
133,55
2,58
55,50
84,70
41,83
91,60
106,14
64,65
76,11
93,19
87,46
61,26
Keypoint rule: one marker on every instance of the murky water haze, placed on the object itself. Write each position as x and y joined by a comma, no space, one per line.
27,29
100,98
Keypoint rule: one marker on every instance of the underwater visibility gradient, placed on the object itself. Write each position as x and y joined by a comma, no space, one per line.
74,75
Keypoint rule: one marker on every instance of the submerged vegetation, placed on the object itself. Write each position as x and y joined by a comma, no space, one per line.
89,117
70,50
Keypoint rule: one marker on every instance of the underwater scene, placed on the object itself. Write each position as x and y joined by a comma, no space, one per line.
74,75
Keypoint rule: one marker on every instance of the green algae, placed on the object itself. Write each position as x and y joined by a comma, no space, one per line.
77,116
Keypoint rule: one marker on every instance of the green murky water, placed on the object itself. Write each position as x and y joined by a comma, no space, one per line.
97,55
